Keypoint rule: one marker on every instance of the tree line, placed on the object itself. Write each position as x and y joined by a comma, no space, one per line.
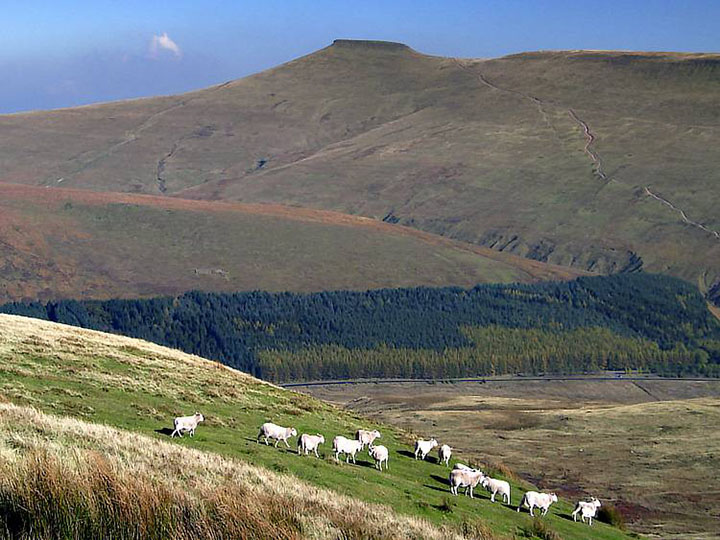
632,321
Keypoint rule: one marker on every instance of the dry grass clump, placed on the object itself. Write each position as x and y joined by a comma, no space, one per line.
64,478
540,529
44,497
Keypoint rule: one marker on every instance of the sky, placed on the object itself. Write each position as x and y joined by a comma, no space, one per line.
56,53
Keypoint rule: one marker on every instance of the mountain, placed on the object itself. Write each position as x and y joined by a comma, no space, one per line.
602,161
85,453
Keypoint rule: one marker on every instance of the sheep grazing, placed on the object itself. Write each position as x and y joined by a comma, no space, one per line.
531,499
379,454
309,443
422,448
467,478
343,445
367,437
272,431
187,423
586,509
495,486
444,454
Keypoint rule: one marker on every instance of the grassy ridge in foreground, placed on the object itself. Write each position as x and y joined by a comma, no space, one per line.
81,480
140,387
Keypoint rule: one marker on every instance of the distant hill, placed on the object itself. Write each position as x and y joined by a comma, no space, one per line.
597,160
63,243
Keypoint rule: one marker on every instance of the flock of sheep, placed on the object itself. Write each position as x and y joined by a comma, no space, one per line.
461,475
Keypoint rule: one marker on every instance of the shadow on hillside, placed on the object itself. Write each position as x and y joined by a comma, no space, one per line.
440,479
406,453
436,488
165,431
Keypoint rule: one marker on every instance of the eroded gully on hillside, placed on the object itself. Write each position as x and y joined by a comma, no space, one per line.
589,141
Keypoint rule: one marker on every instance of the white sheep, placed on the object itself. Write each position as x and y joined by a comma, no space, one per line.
367,437
309,443
379,453
462,467
422,448
187,423
343,445
465,478
444,454
587,509
272,431
531,499
495,486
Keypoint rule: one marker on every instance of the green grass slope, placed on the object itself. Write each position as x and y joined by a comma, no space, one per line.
64,243
597,160
140,387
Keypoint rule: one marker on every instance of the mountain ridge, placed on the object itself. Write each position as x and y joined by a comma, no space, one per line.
554,159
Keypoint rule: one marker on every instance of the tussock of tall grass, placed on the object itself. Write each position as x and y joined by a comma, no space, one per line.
64,478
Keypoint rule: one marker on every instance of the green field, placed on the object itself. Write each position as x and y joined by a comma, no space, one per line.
140,387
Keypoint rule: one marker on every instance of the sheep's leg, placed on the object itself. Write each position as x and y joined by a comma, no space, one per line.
286,444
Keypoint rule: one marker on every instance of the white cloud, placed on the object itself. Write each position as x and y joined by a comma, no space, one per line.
158,43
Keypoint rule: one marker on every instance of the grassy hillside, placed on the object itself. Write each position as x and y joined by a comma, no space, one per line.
64,243
139,387
603,161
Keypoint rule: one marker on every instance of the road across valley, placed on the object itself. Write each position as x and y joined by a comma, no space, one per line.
611,376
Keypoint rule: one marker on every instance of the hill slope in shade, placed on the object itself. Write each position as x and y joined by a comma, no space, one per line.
597,160
139,387
64,243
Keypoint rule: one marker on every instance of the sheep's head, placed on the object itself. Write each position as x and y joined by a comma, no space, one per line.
484,481
553,497
433,443
596,502
376,434
200,417
321,438
293,432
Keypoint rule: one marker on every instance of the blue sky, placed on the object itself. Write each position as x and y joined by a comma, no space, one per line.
66,53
